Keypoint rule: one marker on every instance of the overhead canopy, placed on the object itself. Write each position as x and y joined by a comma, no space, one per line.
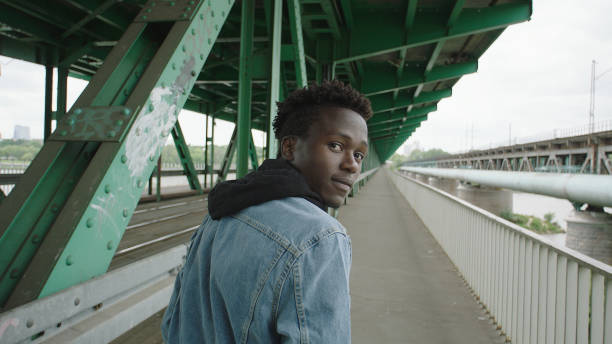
404,55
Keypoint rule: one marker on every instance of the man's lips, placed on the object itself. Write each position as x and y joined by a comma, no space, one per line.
343,183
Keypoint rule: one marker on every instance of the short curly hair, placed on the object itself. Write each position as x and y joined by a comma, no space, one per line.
301,108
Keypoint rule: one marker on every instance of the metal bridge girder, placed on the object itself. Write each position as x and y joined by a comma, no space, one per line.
63,221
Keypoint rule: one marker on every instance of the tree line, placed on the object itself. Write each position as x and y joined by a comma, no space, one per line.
26,150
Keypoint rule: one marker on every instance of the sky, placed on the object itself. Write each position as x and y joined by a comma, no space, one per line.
534,78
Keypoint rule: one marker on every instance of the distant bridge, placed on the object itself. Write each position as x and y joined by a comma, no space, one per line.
583,153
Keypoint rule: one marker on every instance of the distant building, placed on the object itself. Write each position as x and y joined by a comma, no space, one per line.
21,133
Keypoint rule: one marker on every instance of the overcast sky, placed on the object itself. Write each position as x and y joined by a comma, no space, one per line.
534,78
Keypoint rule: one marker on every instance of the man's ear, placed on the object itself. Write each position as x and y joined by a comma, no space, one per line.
288,147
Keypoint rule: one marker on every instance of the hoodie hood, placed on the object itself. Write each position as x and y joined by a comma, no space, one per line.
274,179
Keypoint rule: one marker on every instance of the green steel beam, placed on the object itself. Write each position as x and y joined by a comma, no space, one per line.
295,23
401,131
398,125
371,39
411,8
48,100
243,123
385,102
387,118
185,157
63,220
348,13
274,78
253,154
380,80
228,157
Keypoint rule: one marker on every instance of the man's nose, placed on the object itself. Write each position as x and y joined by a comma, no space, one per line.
349,163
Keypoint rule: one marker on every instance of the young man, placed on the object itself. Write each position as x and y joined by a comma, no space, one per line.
268,264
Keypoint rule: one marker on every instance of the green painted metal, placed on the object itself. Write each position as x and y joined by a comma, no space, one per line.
65,218
274,79
48,101
185,157
386,118
243,123
253,155
295,24
385,102
228,156
372,39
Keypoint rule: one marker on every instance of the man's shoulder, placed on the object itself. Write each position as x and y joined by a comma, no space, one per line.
295,219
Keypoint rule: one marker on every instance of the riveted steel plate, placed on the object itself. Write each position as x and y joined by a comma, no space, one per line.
165,10
98,124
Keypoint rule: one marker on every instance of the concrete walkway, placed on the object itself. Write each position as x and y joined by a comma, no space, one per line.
404,289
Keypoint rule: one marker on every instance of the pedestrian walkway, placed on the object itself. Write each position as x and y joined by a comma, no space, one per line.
404,289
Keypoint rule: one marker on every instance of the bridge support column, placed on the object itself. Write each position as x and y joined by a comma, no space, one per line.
494,200
590,232
444,184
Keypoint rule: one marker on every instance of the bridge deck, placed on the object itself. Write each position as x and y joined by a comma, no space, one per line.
404,288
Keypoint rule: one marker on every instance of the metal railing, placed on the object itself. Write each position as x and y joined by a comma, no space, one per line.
535,291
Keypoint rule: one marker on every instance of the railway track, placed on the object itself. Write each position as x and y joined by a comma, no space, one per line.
158,226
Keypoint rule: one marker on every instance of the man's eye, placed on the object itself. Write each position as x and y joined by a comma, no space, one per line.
335,147
359,156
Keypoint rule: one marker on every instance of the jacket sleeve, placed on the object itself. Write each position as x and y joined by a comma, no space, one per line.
314,304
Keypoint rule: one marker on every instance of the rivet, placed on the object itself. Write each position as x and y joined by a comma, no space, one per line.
187,9
173,66
193,73
14,273
126,92
63,133
163,84
77,301
54,208
193,32
184,48
35,239
172,3
222,13
89,223
144,17
209,41
153,4
201,56
165,133
184,15
111,134
71,121
78,111
191,2
123,158
107,188
119,122
201,16
109,245
29,323
148,10
69,260
212,14
151,158
151,107
140,183
126,111
217,27
125,213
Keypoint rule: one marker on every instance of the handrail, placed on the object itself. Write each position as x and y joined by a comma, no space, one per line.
104,307
535,291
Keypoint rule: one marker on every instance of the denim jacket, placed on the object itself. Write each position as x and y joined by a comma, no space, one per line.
277,272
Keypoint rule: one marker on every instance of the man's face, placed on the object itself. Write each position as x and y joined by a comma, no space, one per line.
330,155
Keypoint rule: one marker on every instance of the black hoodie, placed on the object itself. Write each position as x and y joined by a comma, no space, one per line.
274,179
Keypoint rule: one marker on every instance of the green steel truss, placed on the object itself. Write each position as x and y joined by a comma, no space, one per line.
146,60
